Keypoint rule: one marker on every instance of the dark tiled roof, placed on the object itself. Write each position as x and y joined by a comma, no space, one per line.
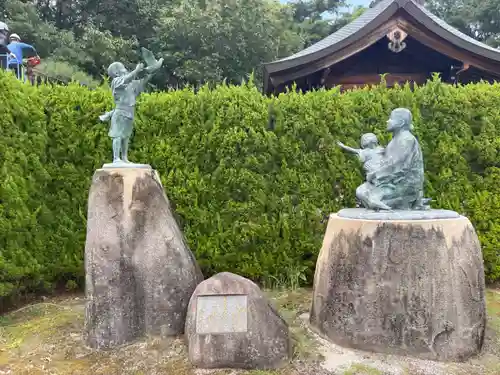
373,18
344,32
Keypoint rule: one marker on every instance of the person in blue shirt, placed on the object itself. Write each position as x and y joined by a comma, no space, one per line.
16,48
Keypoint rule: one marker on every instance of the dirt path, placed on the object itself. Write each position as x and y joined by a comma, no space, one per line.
47,338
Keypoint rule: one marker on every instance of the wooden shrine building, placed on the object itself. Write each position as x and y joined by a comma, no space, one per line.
399,38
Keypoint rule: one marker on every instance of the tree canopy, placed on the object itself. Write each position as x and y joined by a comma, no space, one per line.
476,18
202,41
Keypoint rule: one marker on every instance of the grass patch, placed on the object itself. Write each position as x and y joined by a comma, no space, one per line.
492,365
291,304
493,309
41,320
288,370
360,369
178,366
47,339
298,300
304,346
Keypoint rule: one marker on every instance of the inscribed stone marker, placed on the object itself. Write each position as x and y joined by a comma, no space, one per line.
217,314
231,324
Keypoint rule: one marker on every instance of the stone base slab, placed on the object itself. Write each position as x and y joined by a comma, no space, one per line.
365,214
122,164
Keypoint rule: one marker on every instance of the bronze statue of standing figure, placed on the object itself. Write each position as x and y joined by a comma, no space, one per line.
125,88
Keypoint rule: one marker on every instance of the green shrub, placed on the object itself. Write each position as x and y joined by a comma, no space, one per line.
64,72
23,182
250,177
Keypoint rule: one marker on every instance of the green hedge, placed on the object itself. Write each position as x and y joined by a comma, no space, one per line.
251,177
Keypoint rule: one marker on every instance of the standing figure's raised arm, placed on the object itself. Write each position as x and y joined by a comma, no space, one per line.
130,76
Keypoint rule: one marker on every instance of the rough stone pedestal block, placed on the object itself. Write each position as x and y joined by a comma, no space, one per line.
412,287
230,324
140,273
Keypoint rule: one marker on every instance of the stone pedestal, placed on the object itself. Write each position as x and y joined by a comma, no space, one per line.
231,324
140,273
412,287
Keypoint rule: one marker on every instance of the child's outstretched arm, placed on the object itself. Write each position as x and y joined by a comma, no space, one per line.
106,116
130,76
349,149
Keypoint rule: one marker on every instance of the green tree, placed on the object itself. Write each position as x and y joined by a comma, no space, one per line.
128,19
476,18
348,17
92,52
222,40
201,41
311,20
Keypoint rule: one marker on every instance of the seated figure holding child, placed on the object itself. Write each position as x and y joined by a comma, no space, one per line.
394,175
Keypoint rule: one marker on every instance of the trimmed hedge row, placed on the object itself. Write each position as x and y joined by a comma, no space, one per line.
251,177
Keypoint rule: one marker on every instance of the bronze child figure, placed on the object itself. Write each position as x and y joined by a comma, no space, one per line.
125,88
370,154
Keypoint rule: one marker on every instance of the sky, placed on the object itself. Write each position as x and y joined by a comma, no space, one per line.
352,3
359,2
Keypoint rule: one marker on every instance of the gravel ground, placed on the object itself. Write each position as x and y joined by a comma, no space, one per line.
46,338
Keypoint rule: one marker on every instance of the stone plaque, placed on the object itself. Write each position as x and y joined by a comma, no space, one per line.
221,314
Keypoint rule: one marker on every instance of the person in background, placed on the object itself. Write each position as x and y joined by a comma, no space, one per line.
16,48
4,40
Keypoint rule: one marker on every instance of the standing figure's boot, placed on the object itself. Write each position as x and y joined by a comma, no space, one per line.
124,144
117,145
